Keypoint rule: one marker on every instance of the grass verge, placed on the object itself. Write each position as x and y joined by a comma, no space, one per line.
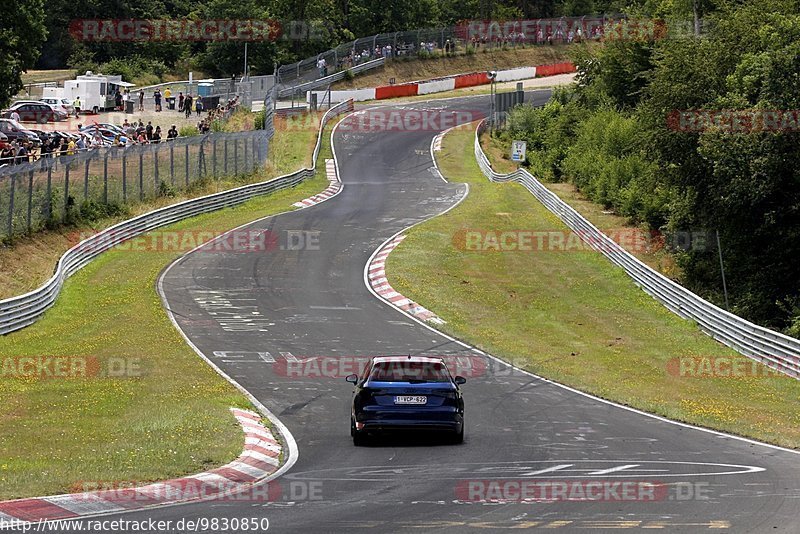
146,408
573,317
635,239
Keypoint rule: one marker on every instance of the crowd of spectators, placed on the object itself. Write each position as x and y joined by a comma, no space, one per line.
56,144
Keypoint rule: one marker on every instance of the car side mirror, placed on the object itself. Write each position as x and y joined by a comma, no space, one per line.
351,378
460,380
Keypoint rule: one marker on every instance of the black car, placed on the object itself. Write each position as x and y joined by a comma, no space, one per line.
406,393
15,131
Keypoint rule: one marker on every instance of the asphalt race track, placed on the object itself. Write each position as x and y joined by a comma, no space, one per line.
292,303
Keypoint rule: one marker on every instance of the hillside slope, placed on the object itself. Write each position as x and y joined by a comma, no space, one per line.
423,69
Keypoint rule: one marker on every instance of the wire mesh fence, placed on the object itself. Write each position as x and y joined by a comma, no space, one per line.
53,189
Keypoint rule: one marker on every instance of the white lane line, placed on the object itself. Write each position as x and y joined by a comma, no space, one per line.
546,470
616,469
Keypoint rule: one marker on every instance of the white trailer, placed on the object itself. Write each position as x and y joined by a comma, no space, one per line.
96,91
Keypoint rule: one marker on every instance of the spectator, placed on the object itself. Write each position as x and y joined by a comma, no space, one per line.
187,105
22,154
77,105
180,101
156,138
149,130
142,139
198,106
322,65
81,144
71,147
141,99
118,100
157,99
15,116
172,133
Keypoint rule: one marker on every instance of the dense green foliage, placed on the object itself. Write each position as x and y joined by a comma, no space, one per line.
21,32
307,28
616,137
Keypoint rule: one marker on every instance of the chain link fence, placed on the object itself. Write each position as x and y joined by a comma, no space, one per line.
440,41
53,189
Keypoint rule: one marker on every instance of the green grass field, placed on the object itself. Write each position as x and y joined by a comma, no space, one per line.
167,416
572,316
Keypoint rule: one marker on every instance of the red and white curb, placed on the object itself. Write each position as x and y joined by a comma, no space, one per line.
259,459
376,275
331,191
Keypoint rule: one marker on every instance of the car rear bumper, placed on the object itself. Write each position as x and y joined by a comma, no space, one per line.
436,419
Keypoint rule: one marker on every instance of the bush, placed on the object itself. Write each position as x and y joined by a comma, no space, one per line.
258,121
348,75
165,190
92,210
188,131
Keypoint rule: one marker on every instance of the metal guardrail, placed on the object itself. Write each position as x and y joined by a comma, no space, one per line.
327,80
19,312
773,349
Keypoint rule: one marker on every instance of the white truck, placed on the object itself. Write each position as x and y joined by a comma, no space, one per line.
96,91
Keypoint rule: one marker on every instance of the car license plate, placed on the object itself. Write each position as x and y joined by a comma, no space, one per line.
410,399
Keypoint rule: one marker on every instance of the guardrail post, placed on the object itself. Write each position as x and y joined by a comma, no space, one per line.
141,175
124,178
30,197
11,206
172,164
105,177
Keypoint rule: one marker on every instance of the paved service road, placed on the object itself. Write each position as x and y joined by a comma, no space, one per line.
260,315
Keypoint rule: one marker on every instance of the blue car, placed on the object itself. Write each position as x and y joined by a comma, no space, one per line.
406,393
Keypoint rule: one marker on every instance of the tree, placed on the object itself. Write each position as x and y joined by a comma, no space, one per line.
20,39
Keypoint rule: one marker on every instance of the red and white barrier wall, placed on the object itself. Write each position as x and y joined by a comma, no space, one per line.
440,85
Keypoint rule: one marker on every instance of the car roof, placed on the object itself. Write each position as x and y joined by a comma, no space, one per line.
418,359
21,102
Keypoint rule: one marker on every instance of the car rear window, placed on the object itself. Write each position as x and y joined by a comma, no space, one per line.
409,371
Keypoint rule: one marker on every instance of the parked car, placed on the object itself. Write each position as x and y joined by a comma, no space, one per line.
106,132
404,393
15,131
35,111
60,103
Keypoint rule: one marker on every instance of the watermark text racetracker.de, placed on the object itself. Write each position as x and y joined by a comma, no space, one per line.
388,120
611,490
187,489
48,367
723,367
208,241
181,30
735,121
334,367
633,240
